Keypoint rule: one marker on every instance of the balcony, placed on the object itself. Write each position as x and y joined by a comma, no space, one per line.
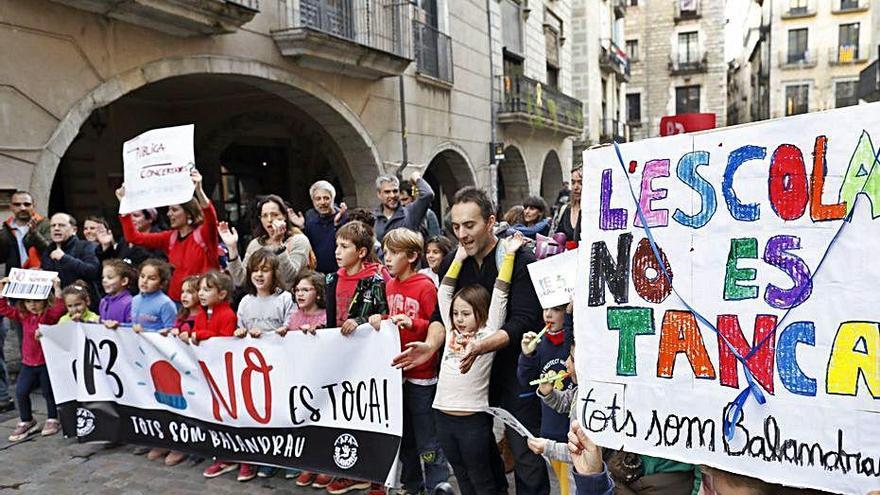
793,61
433,53
613,59
847,55
614,130
686,10
849,6
804,9
530,103
619,7
682,64
367,39
175,17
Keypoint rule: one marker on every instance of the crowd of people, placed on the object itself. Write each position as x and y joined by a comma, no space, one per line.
472,330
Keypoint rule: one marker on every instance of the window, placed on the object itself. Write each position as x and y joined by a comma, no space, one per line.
633,3
848,46
797,6
688,48
552,33
632,50
688,6
687,99
797,45
849,4
846,93
634,108
797,98
511,27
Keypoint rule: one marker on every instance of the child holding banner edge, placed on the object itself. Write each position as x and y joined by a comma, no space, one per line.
191,244
31,314
464,430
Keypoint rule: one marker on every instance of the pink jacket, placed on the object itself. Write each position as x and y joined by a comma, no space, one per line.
31,350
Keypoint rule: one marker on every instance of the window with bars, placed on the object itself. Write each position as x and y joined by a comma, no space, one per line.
848,45
688,47
797,99
846,93
634,108
797,45
687,99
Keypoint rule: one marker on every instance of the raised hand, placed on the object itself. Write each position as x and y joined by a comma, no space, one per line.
105,237
585,455
120,193
513,242
296,218
229,236
342,209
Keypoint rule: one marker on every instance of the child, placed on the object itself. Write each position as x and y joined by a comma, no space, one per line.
115,306
217,320
548,356
412,298
77,301
31,314
189,306
354,293
311,311
152,310
267,306
465,431
436,249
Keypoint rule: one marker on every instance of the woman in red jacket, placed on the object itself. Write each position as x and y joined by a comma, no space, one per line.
190,244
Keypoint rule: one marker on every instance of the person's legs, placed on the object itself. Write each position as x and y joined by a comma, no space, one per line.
480,452
421,397
411,470
5,398
530,470
447,428
27,380
51,410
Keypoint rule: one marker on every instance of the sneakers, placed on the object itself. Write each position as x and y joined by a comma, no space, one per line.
322,481
218,468
290,474
23,430
140,450
246,472
376,489
51,427
156,453
266,471
343,485
306,478
174,458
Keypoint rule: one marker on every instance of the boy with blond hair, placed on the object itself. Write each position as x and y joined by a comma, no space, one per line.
412,298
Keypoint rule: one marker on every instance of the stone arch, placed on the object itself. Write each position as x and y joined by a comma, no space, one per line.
551,177
448,170
356,146
513,179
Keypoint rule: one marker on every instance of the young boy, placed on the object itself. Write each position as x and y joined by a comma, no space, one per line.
354,292
412,297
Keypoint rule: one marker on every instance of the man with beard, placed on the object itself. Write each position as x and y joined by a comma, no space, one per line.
390,214
23,238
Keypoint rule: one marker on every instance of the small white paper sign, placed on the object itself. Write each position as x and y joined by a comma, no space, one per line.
156,166
509,421
29,284
554,278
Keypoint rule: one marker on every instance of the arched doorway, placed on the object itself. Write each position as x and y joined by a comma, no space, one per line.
447,172
246,113
551,177
513,180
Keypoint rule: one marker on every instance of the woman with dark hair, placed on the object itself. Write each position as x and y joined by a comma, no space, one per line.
191,244
535,220
273,230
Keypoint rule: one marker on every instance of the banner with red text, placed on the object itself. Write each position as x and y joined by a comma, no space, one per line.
729,266
324,402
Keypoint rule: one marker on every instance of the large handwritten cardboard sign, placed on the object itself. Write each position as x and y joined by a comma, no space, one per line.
326,402
156,165
752,258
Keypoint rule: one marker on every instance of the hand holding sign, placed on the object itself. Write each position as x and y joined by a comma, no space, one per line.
158,169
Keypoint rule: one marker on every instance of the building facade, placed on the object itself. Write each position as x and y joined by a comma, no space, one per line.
748,78
676,49
818,48
285,92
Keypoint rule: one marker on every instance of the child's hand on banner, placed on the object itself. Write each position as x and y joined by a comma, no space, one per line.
164,332
137,328
240,332
308,329
348,326
281,331
375,320
255,332
111,324
184,336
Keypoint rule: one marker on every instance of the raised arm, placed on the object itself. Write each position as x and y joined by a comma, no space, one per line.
415,211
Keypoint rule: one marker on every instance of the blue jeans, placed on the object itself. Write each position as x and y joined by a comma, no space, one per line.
4,374
29,378
470,445
420,444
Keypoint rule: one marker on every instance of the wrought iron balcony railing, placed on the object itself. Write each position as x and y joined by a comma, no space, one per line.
433,52
527,101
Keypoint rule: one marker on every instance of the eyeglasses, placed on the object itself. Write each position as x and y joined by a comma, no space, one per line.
26,205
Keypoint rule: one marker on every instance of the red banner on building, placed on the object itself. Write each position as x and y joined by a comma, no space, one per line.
686,122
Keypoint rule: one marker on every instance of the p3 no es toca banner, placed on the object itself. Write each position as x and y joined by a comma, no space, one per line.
728,268
324,402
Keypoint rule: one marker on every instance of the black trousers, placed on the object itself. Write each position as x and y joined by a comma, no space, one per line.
470,447
530,469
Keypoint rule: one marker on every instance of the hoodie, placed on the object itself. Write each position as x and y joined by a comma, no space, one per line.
356,296
415,297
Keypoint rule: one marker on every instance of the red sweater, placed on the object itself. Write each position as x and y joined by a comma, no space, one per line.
31,350
416,297
221,323
189,256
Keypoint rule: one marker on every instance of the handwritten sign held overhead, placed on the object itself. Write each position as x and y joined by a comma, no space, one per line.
156,165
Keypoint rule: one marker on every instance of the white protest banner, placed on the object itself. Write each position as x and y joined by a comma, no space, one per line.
156,165
747,258
554,278
324,402
29,284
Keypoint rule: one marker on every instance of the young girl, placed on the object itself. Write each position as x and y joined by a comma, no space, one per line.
310,313
152,310
31,314
436,249
115,307
189,306
464,431
77,301
267,306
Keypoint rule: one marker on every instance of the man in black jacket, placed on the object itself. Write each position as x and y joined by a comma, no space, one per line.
472,223
73,258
